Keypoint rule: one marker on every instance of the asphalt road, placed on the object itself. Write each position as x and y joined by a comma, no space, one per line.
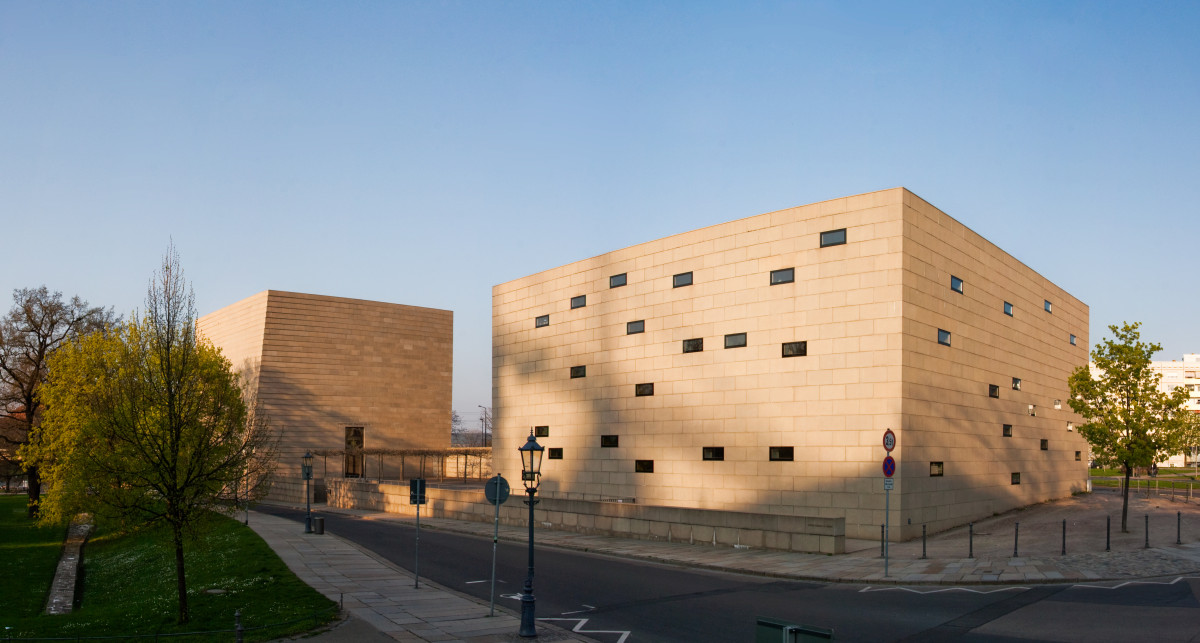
666,603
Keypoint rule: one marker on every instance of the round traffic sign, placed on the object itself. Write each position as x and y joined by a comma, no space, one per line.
889,466
496,490
889,440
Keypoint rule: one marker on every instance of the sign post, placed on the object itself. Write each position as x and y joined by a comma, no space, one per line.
496,491
889,469
416,496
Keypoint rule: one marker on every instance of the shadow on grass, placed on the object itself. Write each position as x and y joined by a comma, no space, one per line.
128,584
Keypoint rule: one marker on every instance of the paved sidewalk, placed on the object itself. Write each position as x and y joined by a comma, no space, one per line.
380,598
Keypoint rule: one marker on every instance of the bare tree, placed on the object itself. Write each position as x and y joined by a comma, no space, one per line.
39,323
458,434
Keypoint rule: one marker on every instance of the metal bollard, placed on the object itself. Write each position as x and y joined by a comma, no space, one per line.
1147,531
1016,537
970,540
882,541
237,625
1064,551
922,542
1108,533
1178,527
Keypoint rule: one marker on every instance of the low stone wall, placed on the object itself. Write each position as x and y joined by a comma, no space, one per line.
61,599
291,490
627,520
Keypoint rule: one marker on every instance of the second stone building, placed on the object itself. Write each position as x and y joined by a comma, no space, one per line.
754,366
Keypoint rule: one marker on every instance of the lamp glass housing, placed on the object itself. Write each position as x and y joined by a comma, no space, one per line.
531,461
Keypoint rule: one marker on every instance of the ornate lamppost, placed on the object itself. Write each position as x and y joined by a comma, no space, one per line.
531,472
306,473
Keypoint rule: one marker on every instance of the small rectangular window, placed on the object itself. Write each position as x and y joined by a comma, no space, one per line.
643,466
693,345
544,320
578,371
1045,445
943,337
541,431
1072,340
1078,456
1048,307
956,284
643,390
635,327
1032,410
554,453
736,340
610,441
1070,426
1016,383
795,349
1016,477
833,238
579,302
1008,430
782,454
713,453
682,279
1008,309
1057,405
936,469
783,276
616,281
993,390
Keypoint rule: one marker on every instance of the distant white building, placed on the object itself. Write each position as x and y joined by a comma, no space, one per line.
1175,374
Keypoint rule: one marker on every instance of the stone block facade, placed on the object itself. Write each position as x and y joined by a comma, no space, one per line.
753,366
329,370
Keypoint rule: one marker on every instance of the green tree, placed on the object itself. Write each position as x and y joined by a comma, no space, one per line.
1190,435
1129,422
39,323
147,424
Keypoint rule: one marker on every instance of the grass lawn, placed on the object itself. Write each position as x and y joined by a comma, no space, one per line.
129,583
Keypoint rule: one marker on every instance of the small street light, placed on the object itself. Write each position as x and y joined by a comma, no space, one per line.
306,473
531,472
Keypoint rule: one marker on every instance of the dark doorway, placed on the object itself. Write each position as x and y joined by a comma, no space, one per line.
353,467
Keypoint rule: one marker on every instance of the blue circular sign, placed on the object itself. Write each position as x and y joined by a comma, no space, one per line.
889,466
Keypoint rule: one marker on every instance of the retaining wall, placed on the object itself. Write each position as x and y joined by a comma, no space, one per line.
627,520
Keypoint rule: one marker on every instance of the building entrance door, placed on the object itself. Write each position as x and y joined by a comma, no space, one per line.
353,465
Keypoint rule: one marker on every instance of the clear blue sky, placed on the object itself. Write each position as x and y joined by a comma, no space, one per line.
421,152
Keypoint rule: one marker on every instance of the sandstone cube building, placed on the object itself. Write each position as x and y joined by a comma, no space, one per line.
754,366
333,373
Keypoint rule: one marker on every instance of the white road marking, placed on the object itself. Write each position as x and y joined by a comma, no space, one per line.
579,623
939,590
472,582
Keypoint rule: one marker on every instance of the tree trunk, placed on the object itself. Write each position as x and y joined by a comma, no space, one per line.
180,578
35,492
1125,502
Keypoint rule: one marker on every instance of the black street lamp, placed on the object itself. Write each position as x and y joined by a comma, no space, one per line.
306,473
531,472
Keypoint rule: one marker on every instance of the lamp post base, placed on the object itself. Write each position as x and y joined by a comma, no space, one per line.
527,614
